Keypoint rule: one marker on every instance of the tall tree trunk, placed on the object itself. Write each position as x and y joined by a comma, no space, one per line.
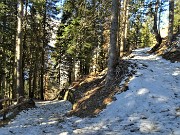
155,28
42,76
14,91
14,76
59,76
30,80
119,29
113,56
171,21
124,27
34,80
43,53
3,78
19,78
24,41
4,57
126,49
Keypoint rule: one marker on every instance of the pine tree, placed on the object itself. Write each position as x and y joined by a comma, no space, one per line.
155,28
171,21
113,56
177,16
20,90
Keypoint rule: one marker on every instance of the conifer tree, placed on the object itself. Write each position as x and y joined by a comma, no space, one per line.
113,56
171,21
19,48
156,30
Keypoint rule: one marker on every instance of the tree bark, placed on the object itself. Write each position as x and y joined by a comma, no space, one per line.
30,80
113,56
119,29
34,79
43,53
125,24
124,27
19,79
24,46
171,21
156,31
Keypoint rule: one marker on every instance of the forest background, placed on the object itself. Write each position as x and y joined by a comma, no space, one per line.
91,35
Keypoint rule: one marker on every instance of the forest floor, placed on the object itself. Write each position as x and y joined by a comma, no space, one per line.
172,52
149,104
91,94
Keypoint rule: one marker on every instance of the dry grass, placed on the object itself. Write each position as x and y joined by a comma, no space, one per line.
173,53
91,95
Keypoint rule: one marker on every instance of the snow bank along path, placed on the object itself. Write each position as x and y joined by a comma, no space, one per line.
150,106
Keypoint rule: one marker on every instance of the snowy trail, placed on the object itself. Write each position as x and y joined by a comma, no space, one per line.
37,121
150,106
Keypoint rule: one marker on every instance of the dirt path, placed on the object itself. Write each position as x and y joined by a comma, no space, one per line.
150,106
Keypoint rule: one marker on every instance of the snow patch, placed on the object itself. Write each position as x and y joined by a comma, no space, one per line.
150,106
142,91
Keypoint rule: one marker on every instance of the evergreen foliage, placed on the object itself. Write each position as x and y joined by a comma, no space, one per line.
82,39
177,15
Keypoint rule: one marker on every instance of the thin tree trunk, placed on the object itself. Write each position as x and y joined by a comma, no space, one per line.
30,75
30,88
113,56
69,76
34,80
19,78
171,21
3,85
124,27
42,76
14,85
119,29
43,53
14,92
156,31
59,76
0,86
4,57
24,42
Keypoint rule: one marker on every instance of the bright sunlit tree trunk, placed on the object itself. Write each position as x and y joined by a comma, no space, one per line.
19,79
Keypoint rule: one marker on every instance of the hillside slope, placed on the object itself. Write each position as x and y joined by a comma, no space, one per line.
150,106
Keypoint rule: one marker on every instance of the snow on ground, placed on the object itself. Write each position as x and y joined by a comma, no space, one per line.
150,106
